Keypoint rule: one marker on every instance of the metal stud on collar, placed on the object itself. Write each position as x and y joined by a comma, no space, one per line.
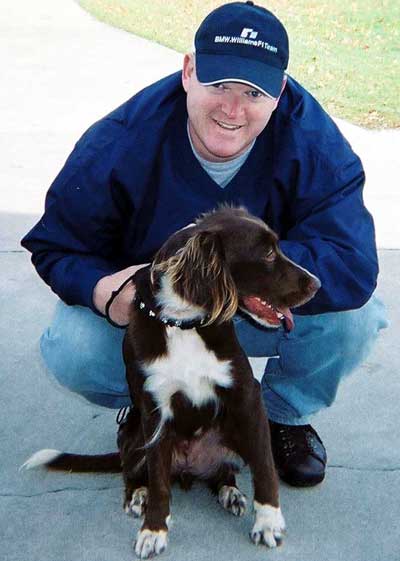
182,324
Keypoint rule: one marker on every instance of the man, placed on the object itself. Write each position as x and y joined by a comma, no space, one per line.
233,128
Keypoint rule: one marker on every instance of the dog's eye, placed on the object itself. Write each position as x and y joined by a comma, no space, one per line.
271,256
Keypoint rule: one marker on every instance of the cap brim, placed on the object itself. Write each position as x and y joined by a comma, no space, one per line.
212,69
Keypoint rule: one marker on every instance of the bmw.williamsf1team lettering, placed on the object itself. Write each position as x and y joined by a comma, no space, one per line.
247,37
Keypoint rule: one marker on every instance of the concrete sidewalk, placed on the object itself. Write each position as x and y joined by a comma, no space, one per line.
62,71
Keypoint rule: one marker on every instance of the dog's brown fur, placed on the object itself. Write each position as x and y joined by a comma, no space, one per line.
213,267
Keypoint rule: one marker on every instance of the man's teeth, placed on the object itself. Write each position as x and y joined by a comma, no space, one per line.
229,127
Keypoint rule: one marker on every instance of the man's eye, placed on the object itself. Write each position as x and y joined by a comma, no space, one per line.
255,94
271,256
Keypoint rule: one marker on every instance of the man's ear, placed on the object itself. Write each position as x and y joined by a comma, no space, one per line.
187,70
284,82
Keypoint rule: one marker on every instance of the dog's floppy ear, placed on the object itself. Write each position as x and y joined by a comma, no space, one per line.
199,274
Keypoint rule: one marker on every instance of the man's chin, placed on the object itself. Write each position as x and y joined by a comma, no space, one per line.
224,154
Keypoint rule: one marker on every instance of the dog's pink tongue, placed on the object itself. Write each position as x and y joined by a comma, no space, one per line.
289,321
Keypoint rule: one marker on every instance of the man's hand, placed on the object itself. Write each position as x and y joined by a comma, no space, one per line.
119,310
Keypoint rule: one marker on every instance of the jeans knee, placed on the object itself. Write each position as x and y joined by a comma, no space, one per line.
67,361
316,356
356,331
329,345
84,353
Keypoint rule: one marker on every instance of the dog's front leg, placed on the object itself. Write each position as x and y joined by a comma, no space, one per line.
253,443
152,537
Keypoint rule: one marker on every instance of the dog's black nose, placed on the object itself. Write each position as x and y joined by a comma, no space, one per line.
313,285
309,285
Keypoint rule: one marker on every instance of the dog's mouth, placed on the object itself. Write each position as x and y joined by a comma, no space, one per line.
268,313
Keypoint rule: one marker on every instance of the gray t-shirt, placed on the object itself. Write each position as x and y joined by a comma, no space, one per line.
221,172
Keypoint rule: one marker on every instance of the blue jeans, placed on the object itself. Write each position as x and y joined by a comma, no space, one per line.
83,352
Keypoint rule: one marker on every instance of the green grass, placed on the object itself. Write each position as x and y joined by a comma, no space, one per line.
347,54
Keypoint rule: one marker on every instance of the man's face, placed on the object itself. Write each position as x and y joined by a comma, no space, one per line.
226,118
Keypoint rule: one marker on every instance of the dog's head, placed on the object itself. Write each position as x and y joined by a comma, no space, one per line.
229,260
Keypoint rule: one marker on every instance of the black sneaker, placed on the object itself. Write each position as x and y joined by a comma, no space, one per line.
299,454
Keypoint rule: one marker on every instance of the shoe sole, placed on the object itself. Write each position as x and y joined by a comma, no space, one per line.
303,482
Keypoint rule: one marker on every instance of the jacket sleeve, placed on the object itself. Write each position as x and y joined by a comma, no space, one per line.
75,243
332,233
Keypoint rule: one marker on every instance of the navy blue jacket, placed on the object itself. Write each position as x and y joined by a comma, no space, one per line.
132,180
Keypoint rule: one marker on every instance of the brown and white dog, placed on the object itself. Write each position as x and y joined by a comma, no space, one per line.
197,407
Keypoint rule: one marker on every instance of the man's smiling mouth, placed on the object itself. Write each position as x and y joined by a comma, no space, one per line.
227,126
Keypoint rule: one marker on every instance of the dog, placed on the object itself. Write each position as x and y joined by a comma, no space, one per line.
198,411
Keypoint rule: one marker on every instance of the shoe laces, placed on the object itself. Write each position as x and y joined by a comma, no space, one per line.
290,438
122,414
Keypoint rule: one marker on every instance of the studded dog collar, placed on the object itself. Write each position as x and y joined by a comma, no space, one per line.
171,322
143,304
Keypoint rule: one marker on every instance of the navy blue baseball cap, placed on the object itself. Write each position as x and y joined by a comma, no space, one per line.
242,42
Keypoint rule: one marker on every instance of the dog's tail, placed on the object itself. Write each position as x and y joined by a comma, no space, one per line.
79,463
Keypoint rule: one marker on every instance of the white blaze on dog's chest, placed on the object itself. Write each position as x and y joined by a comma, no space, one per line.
189,367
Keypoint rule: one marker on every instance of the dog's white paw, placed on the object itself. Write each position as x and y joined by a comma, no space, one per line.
269,526
232,499
149,543
138,503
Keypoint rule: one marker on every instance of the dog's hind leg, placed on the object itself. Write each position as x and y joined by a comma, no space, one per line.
223,484
133,461
136,501
136,493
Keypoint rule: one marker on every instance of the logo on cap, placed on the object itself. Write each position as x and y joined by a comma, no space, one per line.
248,33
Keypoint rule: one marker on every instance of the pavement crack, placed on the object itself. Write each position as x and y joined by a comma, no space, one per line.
371,469
61,490
12,251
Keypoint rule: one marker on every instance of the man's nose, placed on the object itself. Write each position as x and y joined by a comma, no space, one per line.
232,105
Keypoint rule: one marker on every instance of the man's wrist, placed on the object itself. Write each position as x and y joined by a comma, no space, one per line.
118,307
108,284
